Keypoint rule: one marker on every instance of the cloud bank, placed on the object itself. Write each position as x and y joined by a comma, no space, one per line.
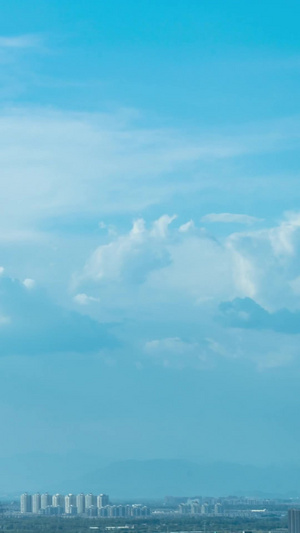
230,218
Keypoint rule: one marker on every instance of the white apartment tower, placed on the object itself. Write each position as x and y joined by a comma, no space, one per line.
58,500
26,503
102,500
70,502
90,500
46,500
36,503
80,502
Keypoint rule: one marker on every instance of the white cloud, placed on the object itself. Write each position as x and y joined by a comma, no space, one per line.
19,41
79,163
29,283
89,163
177,279
161,275
84,299
188,226
161,225
130,257
234,218
177,353
168,261
266,263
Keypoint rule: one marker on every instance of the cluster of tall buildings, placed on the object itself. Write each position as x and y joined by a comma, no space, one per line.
70,504
80,504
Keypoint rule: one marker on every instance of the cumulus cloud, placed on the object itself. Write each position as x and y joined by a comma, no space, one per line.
130,257
181,280
230,218
266,262
165,260
260,264
171,282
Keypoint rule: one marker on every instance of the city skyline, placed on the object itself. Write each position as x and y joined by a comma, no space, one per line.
78,504
92,505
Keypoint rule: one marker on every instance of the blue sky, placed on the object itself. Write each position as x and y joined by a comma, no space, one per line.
150,229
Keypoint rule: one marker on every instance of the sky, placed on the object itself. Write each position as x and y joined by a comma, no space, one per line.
150,230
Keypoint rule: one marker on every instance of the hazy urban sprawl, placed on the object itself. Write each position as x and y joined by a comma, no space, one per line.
92,505
76,513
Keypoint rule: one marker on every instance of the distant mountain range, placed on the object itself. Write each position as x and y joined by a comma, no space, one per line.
144,479
158,478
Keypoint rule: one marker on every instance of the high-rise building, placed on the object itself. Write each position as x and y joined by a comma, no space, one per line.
294,520
204,508
80,502
46,500
102,500
26,503
195,507
58,500
70,503
184,508
121,510
90,500
36,503
218,509
127,510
